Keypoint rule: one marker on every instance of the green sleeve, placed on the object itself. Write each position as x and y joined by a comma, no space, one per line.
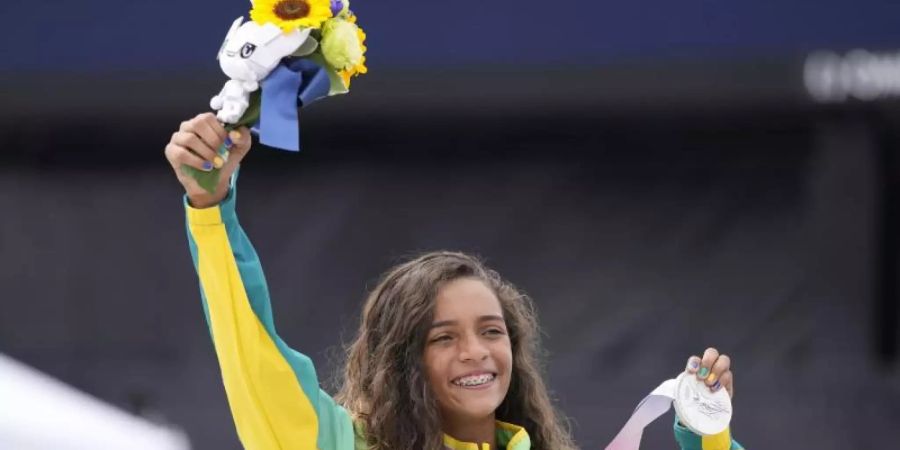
273,391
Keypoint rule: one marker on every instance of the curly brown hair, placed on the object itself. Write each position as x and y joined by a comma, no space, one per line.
390,344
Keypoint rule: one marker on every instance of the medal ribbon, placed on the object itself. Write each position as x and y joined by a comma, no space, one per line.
649,409
290,86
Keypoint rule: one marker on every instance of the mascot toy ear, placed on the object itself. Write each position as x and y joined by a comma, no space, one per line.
267,33
272,43
231,32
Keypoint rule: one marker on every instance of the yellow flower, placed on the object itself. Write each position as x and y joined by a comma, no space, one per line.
291,14
340,44
360,67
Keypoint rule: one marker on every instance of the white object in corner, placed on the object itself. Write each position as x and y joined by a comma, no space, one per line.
38,412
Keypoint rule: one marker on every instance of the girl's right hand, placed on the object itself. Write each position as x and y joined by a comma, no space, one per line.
195,144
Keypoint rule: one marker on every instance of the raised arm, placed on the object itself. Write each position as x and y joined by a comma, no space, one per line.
272,390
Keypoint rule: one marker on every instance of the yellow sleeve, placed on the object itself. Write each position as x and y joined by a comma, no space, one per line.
272,389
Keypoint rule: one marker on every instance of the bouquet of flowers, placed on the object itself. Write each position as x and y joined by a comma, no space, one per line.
291,53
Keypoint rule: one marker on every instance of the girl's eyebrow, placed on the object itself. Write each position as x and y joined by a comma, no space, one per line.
486,318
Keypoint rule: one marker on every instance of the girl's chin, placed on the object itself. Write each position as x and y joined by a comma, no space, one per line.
476,412
477,407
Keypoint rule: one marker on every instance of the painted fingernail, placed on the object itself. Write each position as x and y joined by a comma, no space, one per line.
716,386
693,364
712,378
234,135
218,162
703,373
228,142
207,166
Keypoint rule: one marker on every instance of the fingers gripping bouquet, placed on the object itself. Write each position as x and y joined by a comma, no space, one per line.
291,53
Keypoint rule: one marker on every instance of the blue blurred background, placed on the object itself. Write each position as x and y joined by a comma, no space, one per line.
170,35
659,176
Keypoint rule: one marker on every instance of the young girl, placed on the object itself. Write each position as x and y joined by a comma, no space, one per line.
445,356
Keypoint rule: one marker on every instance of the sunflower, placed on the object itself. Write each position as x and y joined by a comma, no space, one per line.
359,68
291,14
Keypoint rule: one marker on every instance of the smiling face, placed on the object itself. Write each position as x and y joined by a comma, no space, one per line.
468,355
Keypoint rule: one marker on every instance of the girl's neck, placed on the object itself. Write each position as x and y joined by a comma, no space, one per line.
478,431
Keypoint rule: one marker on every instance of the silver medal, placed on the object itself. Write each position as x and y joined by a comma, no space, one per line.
701,411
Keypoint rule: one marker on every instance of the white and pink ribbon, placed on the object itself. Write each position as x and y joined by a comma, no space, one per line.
703,411
651,407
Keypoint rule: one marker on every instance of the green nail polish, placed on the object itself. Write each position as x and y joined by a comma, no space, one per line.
703,373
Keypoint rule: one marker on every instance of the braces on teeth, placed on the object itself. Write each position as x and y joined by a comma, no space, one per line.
475,381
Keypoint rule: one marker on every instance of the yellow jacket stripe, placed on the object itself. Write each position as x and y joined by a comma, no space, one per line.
271,409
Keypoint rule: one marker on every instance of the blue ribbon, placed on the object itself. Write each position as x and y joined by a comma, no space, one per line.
290,86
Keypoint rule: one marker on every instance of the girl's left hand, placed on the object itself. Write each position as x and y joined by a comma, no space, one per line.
714,369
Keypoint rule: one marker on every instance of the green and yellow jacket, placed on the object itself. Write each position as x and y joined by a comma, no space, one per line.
272,389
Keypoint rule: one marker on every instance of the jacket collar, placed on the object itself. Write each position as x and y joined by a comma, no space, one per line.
509,437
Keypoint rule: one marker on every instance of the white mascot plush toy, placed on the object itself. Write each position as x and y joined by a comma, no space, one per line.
249,53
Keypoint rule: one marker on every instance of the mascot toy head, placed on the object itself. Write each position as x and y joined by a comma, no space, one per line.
251,50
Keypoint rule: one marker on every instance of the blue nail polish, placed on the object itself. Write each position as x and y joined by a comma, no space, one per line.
695,363
207,165
228,142
716,386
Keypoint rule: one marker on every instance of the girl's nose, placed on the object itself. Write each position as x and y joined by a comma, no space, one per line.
472,348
